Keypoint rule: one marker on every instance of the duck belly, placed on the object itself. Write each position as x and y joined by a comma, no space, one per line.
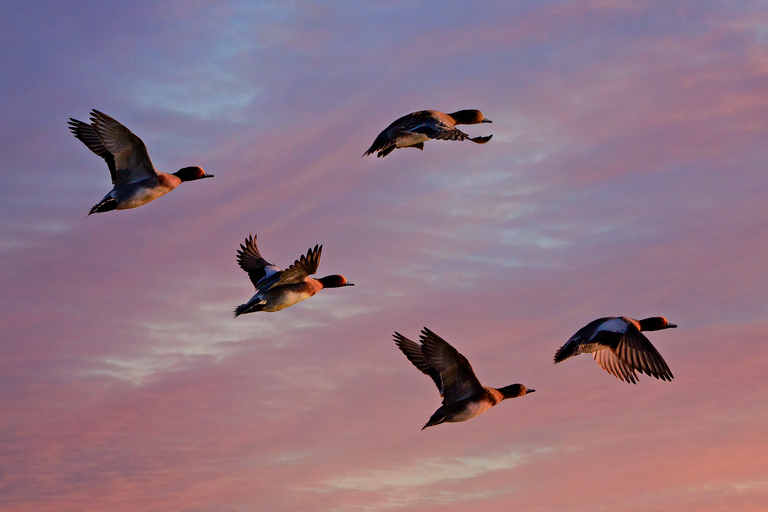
139,196
285,298
410,139
469,411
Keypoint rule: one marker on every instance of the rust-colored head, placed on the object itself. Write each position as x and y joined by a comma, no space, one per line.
191,174
469,117
334,281
515,390
655,323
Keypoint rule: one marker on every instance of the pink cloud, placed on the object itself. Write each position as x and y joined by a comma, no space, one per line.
625,177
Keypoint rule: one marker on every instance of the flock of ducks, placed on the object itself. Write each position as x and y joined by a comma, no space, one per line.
616,343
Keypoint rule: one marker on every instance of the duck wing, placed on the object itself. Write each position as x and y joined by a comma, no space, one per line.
609,362
301,268
87,135
591,327
434,125
415,354
132,163
385,141
439,131
584,336
456,374
249,258
635,350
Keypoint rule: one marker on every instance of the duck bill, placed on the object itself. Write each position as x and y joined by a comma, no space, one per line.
486,121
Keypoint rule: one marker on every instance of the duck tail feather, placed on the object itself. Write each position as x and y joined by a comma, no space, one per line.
107,204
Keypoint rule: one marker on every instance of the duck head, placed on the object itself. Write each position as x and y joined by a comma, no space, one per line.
191,174
469,117
515,390
334,281
655,323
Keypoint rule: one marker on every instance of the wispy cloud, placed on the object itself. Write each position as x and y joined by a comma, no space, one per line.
435,470
626,176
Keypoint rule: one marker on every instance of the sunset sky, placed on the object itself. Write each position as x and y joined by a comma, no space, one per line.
626,176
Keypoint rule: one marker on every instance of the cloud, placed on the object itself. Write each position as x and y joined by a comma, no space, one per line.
626,176
434,470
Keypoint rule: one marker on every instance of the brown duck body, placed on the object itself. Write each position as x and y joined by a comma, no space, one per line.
133,195
281,297
475,404
277,289
135,180
463,395
619,347
414,129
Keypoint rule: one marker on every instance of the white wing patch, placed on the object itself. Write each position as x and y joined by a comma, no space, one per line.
613,325
270,270
270,277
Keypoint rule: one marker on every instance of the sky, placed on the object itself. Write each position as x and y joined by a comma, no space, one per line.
626,176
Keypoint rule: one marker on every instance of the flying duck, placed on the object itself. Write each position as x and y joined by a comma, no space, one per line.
134,178
277,289
412,130
619,347
463,395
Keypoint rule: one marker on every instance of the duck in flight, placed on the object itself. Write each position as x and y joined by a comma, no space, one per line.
135,180
619,347
414,129
278,289
463,395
